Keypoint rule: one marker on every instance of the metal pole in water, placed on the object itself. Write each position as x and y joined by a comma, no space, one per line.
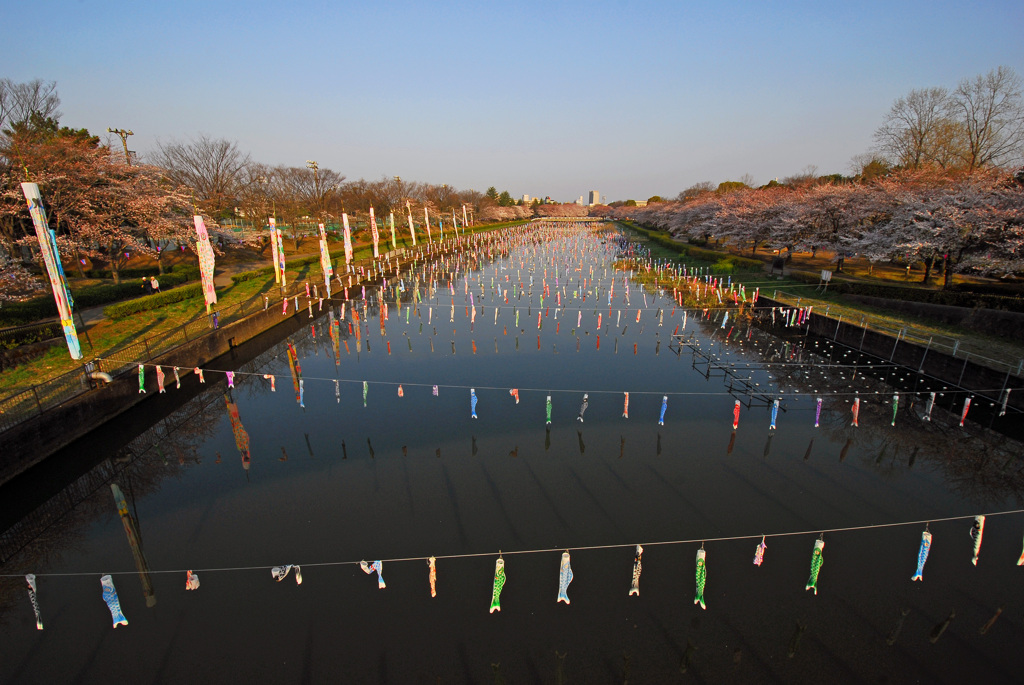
963,369
921,366
898,335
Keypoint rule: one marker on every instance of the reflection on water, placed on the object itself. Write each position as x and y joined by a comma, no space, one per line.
241,436
131,530
433,481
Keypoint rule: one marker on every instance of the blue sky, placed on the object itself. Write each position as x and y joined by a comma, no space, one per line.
631,99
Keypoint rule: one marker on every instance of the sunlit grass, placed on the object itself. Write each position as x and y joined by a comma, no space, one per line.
105,335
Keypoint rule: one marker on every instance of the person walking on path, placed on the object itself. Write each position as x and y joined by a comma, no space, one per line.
154,284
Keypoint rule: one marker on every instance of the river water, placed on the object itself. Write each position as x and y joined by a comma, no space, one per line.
350,477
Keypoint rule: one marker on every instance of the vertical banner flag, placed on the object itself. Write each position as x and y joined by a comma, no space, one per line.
325,260
426,222
464,221
273,245
373,231
394,241
206,261
54,269
348,239
412,231
280,253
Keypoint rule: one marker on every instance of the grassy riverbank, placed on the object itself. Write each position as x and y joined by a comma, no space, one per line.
250,281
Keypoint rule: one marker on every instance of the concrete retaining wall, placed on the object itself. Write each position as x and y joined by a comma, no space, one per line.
30,442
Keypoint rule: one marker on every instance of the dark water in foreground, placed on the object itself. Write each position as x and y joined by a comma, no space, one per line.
415,476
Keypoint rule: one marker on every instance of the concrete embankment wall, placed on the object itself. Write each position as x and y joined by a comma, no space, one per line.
956,371
44,476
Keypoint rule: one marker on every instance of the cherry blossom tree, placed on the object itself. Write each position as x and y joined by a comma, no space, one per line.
966,221
97,205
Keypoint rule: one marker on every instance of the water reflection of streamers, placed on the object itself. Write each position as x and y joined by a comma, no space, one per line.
131,530
296,369
238,430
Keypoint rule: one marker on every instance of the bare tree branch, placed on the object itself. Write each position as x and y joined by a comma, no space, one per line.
991,110
212,168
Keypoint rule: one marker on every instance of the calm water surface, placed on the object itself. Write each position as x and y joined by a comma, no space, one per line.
414,476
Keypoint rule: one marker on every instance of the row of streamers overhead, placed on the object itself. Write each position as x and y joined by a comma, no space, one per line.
334,332
565,572
54,269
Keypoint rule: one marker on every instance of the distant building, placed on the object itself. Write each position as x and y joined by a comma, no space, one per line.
526,199
579,200
595,198
641,203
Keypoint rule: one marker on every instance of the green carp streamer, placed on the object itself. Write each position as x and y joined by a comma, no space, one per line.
499,582
702,576
816,561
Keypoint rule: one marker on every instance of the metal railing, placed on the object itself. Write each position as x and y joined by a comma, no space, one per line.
953,346
35,332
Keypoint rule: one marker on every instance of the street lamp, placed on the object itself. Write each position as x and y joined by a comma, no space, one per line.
124,141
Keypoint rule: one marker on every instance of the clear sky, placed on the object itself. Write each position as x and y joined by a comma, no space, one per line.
546,98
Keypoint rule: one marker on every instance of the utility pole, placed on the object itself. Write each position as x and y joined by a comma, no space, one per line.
312,164
124,142
264,181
